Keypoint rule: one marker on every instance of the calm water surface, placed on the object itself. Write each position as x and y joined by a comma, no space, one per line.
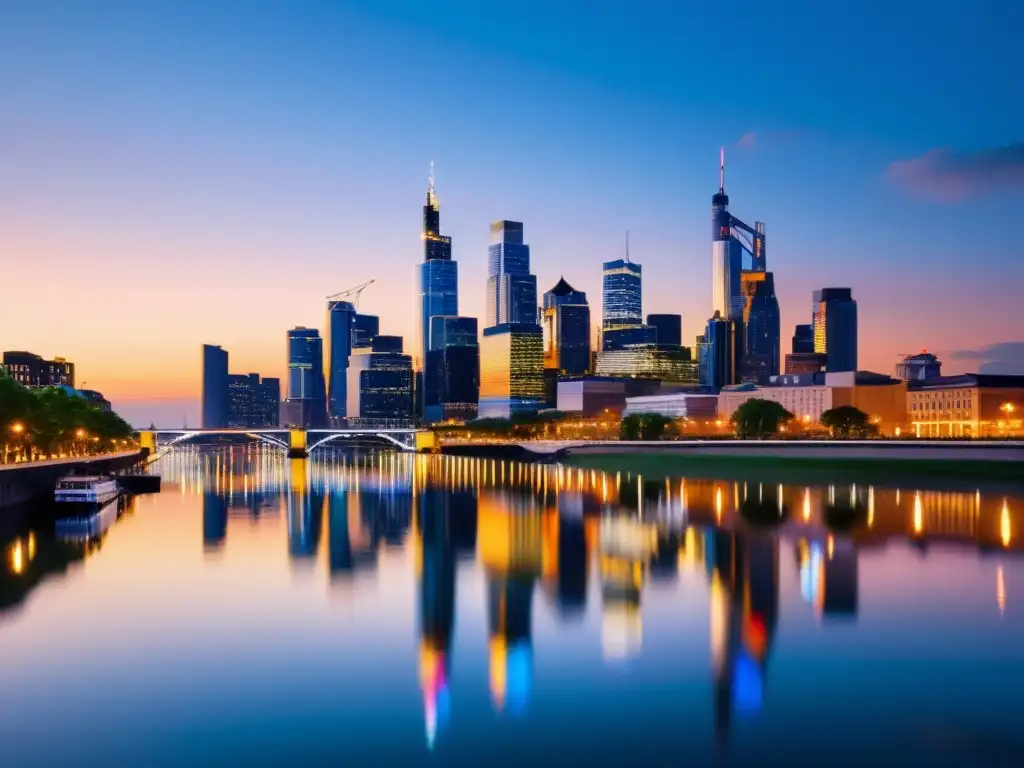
379,609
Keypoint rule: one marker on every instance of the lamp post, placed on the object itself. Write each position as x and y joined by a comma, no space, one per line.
1008,409
17,429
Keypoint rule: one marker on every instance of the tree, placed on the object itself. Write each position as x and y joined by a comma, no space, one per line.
644,426
847,421
760,418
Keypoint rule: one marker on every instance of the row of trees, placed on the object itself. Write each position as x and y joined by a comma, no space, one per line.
38,423
755,419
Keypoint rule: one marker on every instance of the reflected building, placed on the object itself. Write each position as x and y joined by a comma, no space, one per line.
626,549
436,567
305,513
215,520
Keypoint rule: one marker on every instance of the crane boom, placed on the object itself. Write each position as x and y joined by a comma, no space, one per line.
356,292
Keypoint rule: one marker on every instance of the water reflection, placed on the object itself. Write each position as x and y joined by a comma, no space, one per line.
593,548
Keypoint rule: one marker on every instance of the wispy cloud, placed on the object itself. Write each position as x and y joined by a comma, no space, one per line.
944,175
1005,357
757,138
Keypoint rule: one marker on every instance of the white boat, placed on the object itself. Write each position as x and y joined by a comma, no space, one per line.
85,489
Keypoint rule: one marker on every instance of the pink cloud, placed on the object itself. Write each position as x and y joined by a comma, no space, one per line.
946,176
748,140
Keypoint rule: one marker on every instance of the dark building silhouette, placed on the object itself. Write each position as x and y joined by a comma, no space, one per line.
668,329
253,403
566,321
571,595
919,367
380,388
452,375
341,318
365,328
803,339
720,353
307,397
215,387
761,324
215,520
835,328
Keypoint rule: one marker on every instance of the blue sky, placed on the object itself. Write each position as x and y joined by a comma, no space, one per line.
225,165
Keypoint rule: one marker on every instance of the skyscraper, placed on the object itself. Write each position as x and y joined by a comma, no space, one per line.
307,398
511,370
511,289
726,255
453,369
622,323
439,283
566,320
835,328
215,387
365,328
380,384
720,352
668,329
762,326
341,317
251,402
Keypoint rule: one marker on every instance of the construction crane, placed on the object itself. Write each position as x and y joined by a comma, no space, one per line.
356,292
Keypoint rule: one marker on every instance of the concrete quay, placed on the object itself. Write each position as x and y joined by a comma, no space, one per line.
28,481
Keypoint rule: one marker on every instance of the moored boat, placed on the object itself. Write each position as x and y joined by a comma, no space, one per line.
94,490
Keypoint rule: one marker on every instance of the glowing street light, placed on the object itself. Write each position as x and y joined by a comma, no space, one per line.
17,427
79,433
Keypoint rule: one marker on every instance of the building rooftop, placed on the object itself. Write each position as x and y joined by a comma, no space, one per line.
970,381
562,288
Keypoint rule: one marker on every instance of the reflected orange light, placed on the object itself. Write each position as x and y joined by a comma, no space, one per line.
1005,534
1000,590
918,514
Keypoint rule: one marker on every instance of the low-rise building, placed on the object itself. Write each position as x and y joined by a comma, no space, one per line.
970,405
677,405
31,370
809,395
591,396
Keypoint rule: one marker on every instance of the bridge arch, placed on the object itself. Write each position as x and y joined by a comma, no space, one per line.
181,436
386,436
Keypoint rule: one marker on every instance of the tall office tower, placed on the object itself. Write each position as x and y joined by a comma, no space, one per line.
566,321
511,289
307,397
668,329
341,317
511,370
380,384
215,387
803,339
365,329
251,402
622,323
726,255
835,328
762,326
452,374
268,402
439,283
720,352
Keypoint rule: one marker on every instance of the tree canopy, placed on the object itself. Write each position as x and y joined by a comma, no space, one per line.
53,420
645,426
760,418
847,421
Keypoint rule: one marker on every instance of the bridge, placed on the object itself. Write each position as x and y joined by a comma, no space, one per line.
299,443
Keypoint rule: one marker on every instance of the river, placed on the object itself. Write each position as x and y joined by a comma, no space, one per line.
386,609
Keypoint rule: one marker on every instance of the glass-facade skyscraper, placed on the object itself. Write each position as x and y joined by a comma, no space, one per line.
365,328
803,339
215,387
566,321
762,326
438,283
452,376
380,385
340,323
306,390
720,353
511,370
511,289
622,322
835,328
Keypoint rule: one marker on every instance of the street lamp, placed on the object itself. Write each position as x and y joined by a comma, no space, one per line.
17,427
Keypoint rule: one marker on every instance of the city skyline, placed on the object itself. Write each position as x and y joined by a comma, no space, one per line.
202,205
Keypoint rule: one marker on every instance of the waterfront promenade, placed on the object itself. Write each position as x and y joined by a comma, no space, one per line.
28,480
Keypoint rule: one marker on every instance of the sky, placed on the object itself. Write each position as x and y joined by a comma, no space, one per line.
180,173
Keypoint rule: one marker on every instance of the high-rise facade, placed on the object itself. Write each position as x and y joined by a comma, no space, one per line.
566,321
341,316
452,375
365,328
307,396
835,328
919,367
252,402
215,387
720,352
511,289
668,329
439,286
726,256
511,370
380,385
762,326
